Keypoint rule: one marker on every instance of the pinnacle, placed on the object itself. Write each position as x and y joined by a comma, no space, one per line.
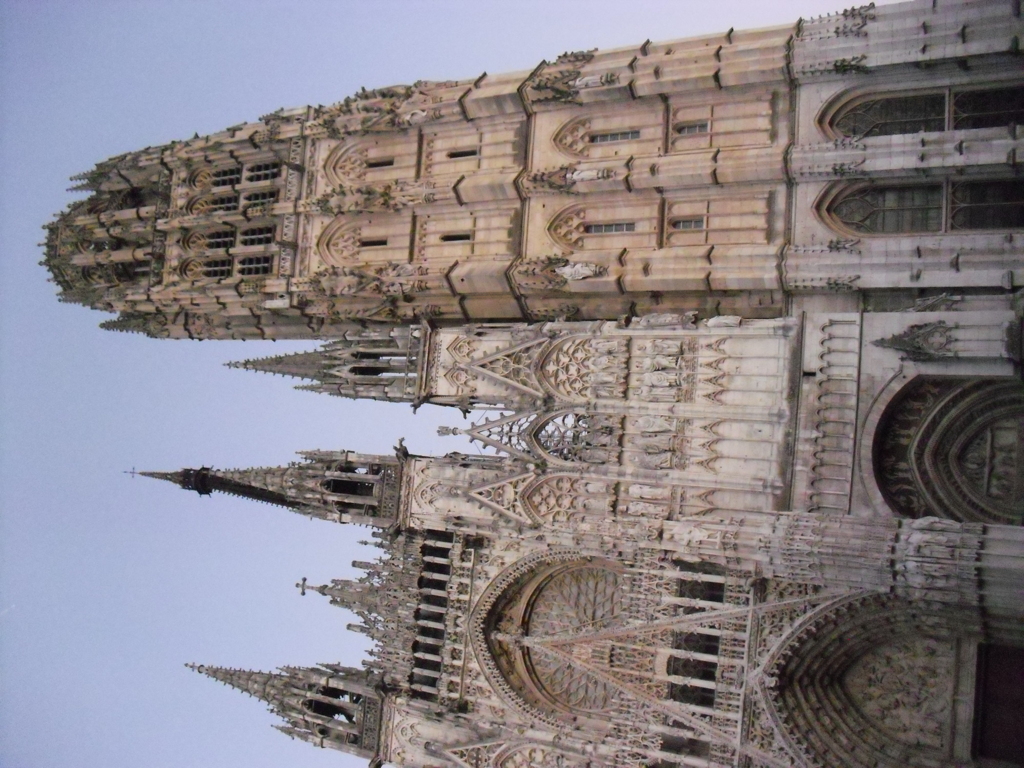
171,477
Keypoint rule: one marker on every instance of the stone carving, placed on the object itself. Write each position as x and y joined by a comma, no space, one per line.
391,109
564,179
905,688
553,273
393,196
572,138
667,320
922,343
559,81
723,321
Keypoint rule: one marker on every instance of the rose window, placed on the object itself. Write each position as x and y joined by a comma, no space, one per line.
533,626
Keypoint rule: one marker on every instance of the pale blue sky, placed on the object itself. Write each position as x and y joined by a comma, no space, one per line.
109,584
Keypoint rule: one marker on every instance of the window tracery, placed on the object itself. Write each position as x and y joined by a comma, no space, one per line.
949,206
951,109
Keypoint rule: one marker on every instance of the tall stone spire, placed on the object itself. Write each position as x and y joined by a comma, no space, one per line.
330,705
340,486
379,363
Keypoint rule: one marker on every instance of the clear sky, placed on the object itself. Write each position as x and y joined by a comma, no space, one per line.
110,584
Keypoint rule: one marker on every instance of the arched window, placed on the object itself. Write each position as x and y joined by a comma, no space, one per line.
257,236
953,109
261,198
935,207
890,210
262,171
226,177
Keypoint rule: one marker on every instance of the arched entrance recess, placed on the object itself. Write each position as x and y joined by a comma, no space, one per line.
954,447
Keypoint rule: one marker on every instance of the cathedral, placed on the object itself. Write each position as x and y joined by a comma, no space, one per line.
739,319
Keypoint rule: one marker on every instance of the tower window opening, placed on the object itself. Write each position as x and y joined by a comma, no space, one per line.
425,582
432,633
226,177
220,239
987,205
459,237
430,551
435,600
993,108
256,198
608,229
347,487
607,138
217,268
378,242
441,568
695,642
380,162
695,669
688,224
710,591
262,171
681,745
457,154
692,694
255,265
688,129
892,210
220,203
257,236
951,206
914,113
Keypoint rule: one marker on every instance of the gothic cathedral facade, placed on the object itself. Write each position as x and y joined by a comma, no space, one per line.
742,319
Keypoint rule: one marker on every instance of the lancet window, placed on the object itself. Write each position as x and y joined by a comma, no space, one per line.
937,207
262,172
606,138
610,228
256,236
427,649
226,177
951,109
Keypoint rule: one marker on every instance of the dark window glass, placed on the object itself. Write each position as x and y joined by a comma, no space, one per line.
257,236
900,114
987,205
607,229
892,210
695,642
713,591
255,265
691,694
347,487
458,238
373,243
605,138
217,268
694,668
262,171
688,129
221,239
221,203
455,154
694,223
225,177
380,162
989,109
255,198
999,707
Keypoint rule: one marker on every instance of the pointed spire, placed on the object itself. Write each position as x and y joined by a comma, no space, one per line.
266,686
251,484
189,479
302,365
